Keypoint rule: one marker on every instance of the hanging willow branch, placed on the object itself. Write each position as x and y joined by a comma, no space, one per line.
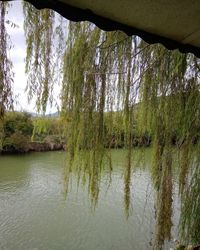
39,58
6,75
190,211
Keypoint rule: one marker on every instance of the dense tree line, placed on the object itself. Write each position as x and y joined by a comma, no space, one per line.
20,129
23,133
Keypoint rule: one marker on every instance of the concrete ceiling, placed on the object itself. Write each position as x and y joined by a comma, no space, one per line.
174,23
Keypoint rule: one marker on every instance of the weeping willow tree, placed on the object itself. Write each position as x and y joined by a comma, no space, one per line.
109,77
6,75
110,73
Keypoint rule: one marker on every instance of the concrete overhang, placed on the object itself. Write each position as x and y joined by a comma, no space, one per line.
173,23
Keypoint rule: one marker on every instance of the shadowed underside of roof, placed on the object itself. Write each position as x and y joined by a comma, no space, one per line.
175,23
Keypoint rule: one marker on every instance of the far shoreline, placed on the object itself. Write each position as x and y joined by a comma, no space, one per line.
34,147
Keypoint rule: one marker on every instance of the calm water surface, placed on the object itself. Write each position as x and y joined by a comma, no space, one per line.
35,213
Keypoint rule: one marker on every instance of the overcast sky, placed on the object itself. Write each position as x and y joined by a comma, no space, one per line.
17,55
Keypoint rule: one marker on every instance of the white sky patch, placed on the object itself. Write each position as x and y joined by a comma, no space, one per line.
17,55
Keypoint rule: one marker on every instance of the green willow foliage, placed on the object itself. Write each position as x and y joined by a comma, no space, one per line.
110,72
157,116
109,77
92,60
107,72
170,103
6,99
38,28
190,211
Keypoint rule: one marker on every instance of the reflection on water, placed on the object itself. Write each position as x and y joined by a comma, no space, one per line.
34,213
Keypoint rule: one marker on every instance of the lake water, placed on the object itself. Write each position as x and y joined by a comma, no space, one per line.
35,212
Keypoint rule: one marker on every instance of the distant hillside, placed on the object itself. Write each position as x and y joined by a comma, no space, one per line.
55,114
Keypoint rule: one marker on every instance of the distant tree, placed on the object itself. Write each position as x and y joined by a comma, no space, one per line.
18,128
